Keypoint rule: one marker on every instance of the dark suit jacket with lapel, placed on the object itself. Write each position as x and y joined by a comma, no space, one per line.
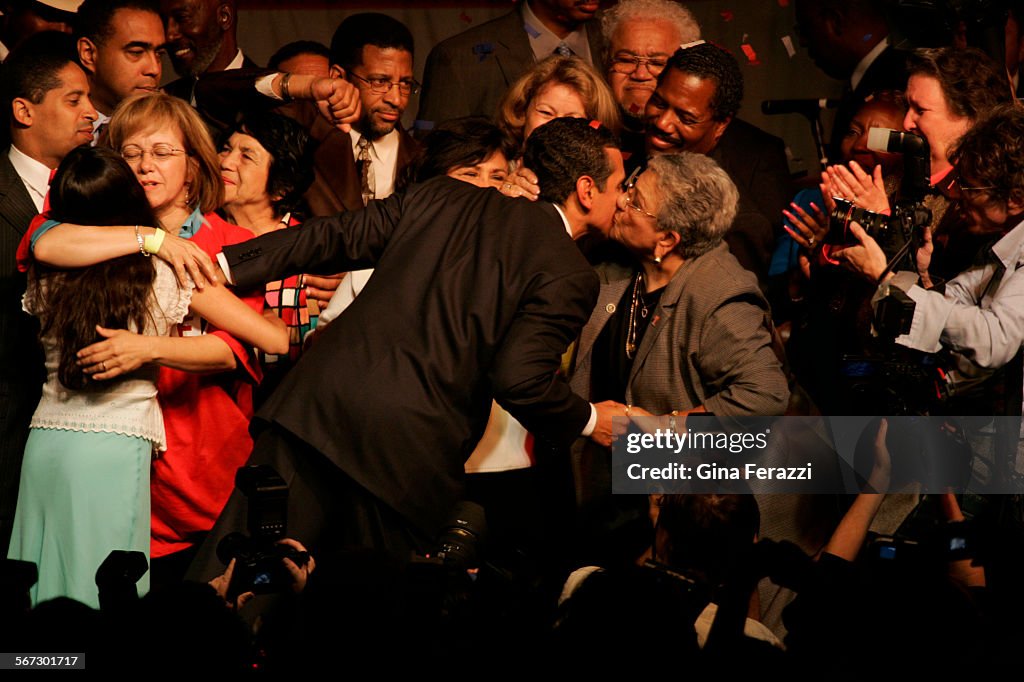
468,74
887,72
21,357
709,342
474,296
184,87
756,162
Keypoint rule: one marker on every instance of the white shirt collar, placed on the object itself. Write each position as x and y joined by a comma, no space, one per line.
543,42
565,220
867,61
34,175
237,62
384,161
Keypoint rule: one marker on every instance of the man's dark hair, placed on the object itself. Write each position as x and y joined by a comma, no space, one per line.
991,154
971,81
294,49
94,19
367,28
33,69
564,150
707,534
458,143
707,61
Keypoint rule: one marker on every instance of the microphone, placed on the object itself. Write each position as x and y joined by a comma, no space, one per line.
807,107
889,140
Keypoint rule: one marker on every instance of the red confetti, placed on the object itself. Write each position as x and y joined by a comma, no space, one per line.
751,55
634,108
726,15
783,3
466,18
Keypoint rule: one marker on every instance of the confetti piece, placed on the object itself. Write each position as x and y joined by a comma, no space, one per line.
868,37
634,108
726,15
788,42
466,18
745,38
783,3
751,55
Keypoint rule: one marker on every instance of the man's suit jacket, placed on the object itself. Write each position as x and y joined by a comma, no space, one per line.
709,342
474,296
185,87
21,358
887,72
756,163
468,74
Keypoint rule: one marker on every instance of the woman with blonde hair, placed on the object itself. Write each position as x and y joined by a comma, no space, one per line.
553,88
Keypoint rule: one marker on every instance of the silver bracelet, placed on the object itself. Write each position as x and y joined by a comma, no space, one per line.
141,241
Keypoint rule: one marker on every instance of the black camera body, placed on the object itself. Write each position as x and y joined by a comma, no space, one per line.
259,565
893,232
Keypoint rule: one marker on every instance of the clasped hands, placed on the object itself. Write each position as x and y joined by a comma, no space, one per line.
608,428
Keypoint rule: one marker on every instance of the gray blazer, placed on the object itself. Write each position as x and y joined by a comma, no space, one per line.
709,342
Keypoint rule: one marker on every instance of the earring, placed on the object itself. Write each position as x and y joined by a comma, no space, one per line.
657,260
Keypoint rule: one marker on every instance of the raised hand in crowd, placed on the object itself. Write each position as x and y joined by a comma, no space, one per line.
338,100
865,190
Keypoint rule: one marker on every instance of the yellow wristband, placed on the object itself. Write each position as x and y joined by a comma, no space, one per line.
154,241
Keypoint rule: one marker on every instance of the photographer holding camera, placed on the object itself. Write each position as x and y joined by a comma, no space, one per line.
948,92
979,317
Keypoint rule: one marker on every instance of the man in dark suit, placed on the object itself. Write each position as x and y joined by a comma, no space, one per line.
47,96
468,74
849,41
476,297
694,109
201,38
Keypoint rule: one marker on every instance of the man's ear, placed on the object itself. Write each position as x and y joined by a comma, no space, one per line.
720,127
585,189
225,16
336,71
23,111
87,54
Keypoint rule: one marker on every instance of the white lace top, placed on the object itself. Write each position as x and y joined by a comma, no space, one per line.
129,405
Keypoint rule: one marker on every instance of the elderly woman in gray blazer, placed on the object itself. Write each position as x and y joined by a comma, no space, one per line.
683,328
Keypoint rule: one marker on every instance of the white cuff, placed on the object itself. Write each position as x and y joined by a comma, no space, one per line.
222,260
265,86
591,423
